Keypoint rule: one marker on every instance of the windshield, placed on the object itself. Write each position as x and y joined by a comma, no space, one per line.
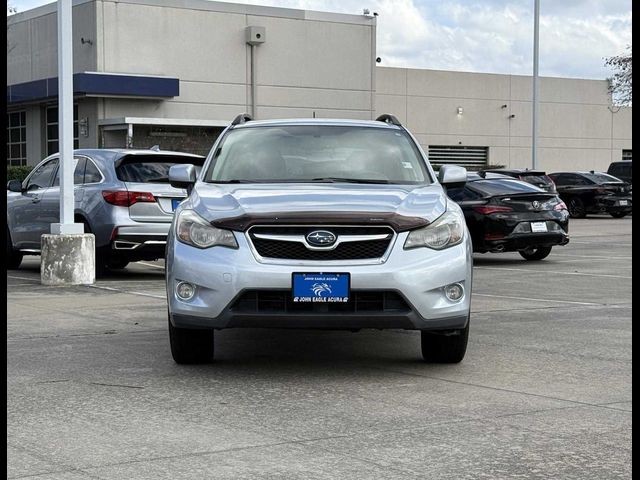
602,178
317,153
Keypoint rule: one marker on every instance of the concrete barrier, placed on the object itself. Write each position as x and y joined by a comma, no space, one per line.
68,259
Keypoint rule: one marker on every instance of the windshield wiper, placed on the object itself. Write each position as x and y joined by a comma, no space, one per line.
235,180
348,180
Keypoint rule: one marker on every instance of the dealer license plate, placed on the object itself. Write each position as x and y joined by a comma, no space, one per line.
320,287
538,226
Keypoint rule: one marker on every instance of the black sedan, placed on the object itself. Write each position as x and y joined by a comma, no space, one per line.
506,215
593,192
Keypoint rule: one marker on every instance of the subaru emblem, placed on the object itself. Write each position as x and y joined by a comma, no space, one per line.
321,238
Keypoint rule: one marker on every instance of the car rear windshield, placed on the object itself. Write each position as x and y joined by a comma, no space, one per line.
317,153
151,168
537,179
503,186
600,177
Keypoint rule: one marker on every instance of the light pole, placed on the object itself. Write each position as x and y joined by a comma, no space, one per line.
68,254
536,41
65,121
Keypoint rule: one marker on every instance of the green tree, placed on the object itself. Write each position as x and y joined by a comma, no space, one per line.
620,83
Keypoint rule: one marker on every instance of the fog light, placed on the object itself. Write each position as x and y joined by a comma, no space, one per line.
454,292
185,290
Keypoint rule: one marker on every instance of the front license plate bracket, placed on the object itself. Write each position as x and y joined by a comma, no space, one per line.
311,287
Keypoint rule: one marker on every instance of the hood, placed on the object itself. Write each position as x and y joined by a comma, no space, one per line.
237,207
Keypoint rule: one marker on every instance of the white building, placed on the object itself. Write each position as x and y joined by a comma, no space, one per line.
175,72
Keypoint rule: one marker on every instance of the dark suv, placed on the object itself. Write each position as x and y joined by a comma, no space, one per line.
621,170
535,177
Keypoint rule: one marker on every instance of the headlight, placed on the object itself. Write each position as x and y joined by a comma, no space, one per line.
445,232
194,230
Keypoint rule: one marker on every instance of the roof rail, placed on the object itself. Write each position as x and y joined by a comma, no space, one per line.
385,117
242,118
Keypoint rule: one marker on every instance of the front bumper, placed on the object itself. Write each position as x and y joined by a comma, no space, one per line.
221,275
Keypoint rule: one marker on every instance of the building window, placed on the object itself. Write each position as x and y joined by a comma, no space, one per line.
16,138
52,129
626,154
473,158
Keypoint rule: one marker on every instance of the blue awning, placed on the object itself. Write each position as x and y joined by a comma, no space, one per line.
97,84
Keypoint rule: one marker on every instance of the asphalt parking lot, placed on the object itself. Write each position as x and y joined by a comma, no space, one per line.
544,391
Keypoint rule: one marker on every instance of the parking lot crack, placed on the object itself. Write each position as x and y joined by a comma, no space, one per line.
64,467
488,387
115,385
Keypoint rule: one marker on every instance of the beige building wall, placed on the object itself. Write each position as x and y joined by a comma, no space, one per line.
310,61
32,42
579,128
311,64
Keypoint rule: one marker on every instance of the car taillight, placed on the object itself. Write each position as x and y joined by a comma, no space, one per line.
123,198
560,206
489,209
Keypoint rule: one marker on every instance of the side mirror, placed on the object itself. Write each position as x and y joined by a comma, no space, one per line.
14,186
452,176
182,176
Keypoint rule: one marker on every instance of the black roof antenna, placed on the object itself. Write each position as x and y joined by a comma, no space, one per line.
242,118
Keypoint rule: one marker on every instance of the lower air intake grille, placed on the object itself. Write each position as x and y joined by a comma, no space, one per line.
280,301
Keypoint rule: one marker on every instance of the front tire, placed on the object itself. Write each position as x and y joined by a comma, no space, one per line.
190,345
14,257
535,253
444,348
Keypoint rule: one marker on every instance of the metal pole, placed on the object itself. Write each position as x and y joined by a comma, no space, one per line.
536,40
65,119
254,87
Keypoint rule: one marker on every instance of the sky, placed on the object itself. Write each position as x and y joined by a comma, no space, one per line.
489,36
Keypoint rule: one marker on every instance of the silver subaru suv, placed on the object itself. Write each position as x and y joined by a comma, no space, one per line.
316,223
